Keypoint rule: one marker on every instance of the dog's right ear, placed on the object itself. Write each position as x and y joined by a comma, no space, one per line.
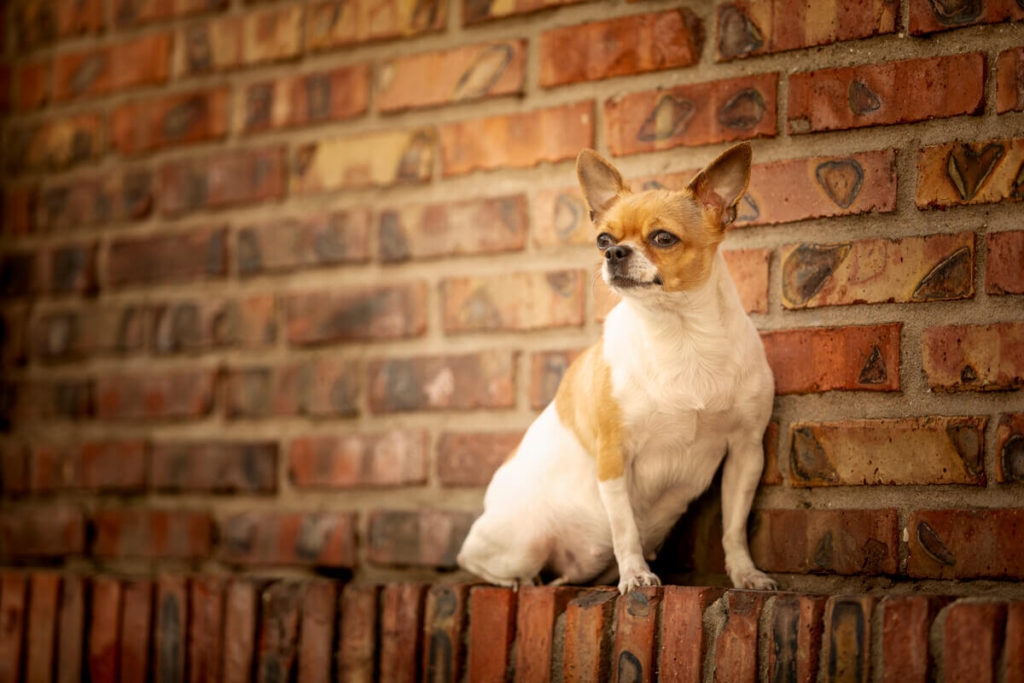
601,183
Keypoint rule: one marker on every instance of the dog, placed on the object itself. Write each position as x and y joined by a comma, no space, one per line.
677,384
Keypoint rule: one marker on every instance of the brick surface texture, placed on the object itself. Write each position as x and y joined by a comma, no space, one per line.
283,284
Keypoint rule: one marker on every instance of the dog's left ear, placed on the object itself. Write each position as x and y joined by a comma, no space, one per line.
601,183
719,187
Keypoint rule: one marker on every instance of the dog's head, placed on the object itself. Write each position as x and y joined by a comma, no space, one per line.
662,240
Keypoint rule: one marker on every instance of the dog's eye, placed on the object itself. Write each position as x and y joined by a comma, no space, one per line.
662,238
604,240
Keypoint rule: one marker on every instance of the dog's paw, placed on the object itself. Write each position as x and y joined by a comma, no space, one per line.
630,581
756,580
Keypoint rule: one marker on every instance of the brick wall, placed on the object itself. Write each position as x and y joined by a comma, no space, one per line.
283,282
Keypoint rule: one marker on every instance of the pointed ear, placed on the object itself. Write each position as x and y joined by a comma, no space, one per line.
722,183
601,183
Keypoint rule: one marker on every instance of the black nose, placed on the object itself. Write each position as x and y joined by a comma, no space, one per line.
617,253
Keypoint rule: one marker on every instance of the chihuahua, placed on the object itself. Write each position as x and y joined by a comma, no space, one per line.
642,419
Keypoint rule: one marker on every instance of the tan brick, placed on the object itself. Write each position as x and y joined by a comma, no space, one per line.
471,458
395,458
56,144
368,160
515,301
364,314
947,450
1010,448
957,173
546,371
334,95
929,17
516,140
944,544
974,357
749,271
458,382
619,47
447,76
148,125
1004,258
475,11
208,46
337,23
334,239
1010,80
272,34
560,217
127,64
911,269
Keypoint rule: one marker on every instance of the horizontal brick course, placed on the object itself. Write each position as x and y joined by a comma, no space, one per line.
1010,80
151,534
165,395
1004,252
462,382
319,388
288,538
356,315
333,239
943,544
369,160
302,100
396,458
128,64
516,301
148,125
338,23
421,538
470,458
108,466
974,357
958,173
228,179
214,466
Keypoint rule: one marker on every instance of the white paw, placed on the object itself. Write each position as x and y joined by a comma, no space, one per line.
756,580
630,581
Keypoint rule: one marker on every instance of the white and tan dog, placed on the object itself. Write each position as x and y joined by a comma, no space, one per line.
643,418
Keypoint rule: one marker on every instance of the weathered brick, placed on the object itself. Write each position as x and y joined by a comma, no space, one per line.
197,325
395,458
186,257
749,271
135,12
447,76
1010,448
514,301
316,631
169,637
318,388
681,641
795,638
205,628
368,160
334,95
70,629
209,46
173,394
103,655
830,541
539,607
419,538
491,630
847,641
14,335
697,114
214,466
32,81
41,626
474,11
546,370
136,616
13,617
459,382
636,620
96,465
19,210
151,534
910,269
476,226
38,22
280,610
153,124
444,632
814,359
516,140
95,200
69,269
401,631
957,173
56,144
356,314
906,624
227,179
56,530
771,473
971,642
876,94
289,538
470,458
1004,254
73,333
128,64
14,469
240,614
928,17
272,34
1014,636
1010,80
334,239
67,398
757,27
944,544
357,633
736,644
974,357
587,640
338,23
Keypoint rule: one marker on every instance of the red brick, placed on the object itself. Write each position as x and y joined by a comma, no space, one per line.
795,638
448,76
38,22
214,466
928,17
14,343
33,83
280,609
1004,254
356,314
56,144
335,95
357,633
444,632
958,173
546,370
945,544
66,398
771,473
14,469
1010,80
136,12
164,395
491,630
830,541
1010,448
696,114
95,200
318,388
103,656
171,623
475,12
338,23
41,626
471,458
376,159
587,640
19,210
334,239
56,530
972,640
948,450
128,64
227,179
97,465
395,458
165,259
205,628
136,617
475,226
516,140
974,357
83,330
758,27
326,539
316,632
460,382
847,646
539,608
815,359
749,271
906,625
401,631
1014,637
910,269
13,623
148,533
208,46
681,643
68,269
419,538
514,301
209,323
153,124
876,94
240,613
736,644
636,620
70,629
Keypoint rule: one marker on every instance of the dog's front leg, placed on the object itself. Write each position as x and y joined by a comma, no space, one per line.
633,569
740,477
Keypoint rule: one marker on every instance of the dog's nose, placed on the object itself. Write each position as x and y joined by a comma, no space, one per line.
617,253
